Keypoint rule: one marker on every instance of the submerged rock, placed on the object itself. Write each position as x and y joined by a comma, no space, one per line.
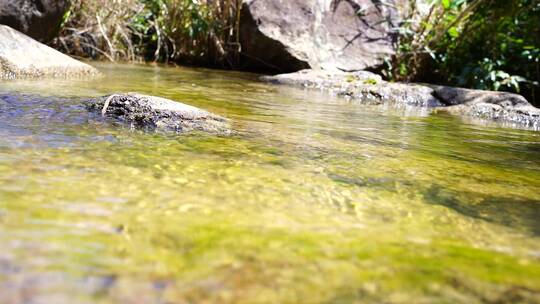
510,109
150,112
24,57
39,19
287,36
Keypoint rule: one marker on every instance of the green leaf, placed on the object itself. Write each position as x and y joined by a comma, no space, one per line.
403,69
514,84
446,4
453,32
502,75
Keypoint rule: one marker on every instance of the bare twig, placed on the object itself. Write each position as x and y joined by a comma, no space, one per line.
106,104
109,44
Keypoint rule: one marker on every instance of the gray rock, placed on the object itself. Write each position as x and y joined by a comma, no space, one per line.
323,79
460,96
361,85
156,113
39,19
397,93
510,109
289,35
24,57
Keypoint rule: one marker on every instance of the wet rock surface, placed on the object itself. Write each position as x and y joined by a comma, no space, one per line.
39,19
156,113
512,110
363,85
24,57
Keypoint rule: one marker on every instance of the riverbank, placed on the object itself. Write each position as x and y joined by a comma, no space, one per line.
23,57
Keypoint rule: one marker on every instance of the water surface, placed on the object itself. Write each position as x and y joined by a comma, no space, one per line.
315,199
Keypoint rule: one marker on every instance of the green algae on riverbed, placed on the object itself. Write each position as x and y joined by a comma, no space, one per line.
315,200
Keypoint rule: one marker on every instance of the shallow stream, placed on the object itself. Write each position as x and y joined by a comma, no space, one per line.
314,199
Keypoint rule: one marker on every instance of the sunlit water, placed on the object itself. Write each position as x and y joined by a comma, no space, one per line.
314,199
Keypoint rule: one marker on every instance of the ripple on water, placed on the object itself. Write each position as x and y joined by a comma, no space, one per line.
315,199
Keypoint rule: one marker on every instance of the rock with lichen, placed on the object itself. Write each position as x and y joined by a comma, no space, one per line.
156,113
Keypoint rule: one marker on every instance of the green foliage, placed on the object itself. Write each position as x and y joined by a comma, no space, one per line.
423,34
500,49
484,44
489,75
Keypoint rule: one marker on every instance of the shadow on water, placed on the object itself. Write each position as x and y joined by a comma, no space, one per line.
32,121
36,112
513,212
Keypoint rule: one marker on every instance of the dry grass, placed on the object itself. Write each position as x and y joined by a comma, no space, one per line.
188,31
101,28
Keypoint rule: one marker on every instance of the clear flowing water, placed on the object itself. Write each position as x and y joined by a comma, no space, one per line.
315,199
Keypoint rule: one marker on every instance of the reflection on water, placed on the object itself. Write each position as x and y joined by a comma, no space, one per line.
315,199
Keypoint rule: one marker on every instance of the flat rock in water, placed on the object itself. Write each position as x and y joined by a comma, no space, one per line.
363,85
24,57
511,109
151,112
508,108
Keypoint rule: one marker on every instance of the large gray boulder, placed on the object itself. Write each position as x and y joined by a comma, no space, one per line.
39,19
290,35
156,113
507,108
24,57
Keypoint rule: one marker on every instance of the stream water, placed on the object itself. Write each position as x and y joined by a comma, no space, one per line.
314,199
